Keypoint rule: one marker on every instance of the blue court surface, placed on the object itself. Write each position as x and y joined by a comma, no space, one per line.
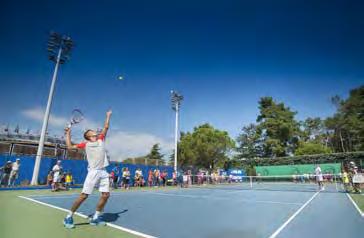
205,212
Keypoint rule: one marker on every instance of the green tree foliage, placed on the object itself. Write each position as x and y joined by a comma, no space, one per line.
249,142
346,126
311,148
153,158
278,134
154,153
279,130
206,147
313,129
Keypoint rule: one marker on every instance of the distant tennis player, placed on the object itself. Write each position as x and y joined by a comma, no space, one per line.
94,147
319,178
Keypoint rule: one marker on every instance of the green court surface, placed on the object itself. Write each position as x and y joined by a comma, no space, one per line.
23,219
359,200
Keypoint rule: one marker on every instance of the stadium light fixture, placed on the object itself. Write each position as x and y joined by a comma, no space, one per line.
59,51
176,99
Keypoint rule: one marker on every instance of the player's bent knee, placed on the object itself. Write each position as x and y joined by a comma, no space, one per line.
105,195
84,196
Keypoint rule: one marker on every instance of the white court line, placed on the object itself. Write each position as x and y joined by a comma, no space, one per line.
355,205
275,234
84,216
221,198
52,197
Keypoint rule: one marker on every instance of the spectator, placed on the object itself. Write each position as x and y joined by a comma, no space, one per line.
356,185
138,178
6,173
68,180
62,182
126,178
112,175
230,178
150,178
156,177
185,180
115,178
14,174
164,178
1,173
50,178
189,177
174,178
346,182
199,177
57,169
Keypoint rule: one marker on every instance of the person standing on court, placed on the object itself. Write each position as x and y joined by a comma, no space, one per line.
6,173
116,176
97,175
319,178
126,178
57,168
14,174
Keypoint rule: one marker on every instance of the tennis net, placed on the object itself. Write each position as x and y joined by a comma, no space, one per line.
304,182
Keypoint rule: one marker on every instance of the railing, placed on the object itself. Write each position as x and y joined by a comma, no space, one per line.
57,151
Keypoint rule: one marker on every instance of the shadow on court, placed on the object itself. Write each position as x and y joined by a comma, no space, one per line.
111,217
82,224
106,217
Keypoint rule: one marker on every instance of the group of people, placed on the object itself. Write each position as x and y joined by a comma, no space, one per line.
306,178
9,173
58,179
125,179
349,178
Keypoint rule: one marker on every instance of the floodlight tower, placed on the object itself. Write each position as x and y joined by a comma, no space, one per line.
59,50
176,99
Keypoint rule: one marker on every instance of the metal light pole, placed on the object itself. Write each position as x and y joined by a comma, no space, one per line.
59,49
176,104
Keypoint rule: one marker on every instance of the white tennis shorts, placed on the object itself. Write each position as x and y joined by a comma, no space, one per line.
56,178
96,178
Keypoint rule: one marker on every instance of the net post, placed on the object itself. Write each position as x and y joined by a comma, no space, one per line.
251,181
335,181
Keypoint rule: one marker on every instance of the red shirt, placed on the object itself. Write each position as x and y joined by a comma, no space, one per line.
82,145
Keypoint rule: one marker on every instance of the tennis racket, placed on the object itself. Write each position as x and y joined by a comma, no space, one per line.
76,117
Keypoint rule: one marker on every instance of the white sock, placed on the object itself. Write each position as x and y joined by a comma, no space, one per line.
70,214
96,215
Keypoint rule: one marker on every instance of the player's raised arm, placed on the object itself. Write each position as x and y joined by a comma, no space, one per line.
67,132
107,122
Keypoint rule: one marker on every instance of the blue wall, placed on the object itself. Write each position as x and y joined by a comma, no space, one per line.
78,168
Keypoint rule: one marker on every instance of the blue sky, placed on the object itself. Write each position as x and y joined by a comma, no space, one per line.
221,55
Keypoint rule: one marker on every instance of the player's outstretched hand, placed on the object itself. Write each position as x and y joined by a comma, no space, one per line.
108,113
67,130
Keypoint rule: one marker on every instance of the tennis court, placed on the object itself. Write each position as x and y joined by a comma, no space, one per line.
222,211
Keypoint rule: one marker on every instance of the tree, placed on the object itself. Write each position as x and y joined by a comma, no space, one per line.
154,153
250,143
346,126
280,131
311,148
206,147
313,129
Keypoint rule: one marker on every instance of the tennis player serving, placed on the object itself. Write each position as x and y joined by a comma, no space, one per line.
94,146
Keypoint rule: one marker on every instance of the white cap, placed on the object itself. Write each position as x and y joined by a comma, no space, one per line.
17,159
59,161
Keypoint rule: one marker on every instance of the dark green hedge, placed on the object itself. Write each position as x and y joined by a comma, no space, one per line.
310,159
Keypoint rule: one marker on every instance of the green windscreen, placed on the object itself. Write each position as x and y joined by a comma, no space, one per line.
333,168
